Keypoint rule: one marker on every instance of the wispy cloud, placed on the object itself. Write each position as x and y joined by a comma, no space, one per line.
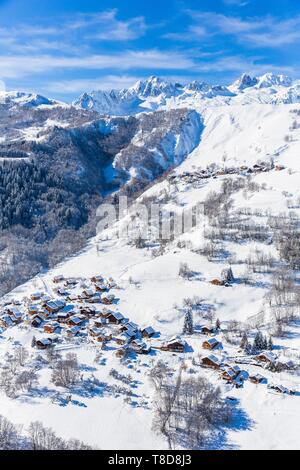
108,27
239,3
254,32
106,82
18,65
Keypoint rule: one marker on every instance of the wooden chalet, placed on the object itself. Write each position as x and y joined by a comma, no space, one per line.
97,279
148,332
43,343
101,287
100,322
211,344
107,299
94,299
207,330
217,282
6,321
278,388
115,318
71,282
58,279
129,326
75,321
87,293
51,328
257,379
266,357
211,361
124,338
87,310
175,344
63,292
74,331
140,347
16,315
36,296
228,375
54,306
33,309
36,321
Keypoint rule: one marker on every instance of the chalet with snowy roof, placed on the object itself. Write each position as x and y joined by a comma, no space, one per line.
123,338
129,326
140,347
97,279
107,299
54,306
94,299
87,293
257,379
33,309
43,343
71,282
211,344
51,328
58,279
16,314
228,375
74,331
45,299
111,283
6,321
100,287
175,344
62,317
100,335
115,318
211,361
266,357
148,332
75,321
36,321
36,296
278,388
100,322
284,363
63,292
87,310
72,297
207,330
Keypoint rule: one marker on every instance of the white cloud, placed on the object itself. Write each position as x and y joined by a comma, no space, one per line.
106,82
255,32
13,66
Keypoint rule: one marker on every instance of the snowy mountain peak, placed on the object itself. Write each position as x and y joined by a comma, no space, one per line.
245,81
155,93
270,79
27,99
154,87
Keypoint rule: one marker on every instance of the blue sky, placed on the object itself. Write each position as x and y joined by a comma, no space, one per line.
62,48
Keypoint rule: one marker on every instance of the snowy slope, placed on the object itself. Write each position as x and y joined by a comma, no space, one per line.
233,137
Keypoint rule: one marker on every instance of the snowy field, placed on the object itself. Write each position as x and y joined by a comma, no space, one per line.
149,291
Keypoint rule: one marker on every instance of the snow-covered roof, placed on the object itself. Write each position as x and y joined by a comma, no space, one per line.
213,358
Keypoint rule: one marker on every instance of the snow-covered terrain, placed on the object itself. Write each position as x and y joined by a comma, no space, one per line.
247,133
155,93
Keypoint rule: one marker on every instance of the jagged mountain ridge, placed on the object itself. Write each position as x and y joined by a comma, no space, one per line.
155,93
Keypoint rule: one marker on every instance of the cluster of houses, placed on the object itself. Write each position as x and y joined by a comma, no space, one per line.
203,174
81,309
234,375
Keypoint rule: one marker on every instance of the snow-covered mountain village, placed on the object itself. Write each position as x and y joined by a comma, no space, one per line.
150,259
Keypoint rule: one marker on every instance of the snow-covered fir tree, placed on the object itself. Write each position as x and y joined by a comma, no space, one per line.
188,326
